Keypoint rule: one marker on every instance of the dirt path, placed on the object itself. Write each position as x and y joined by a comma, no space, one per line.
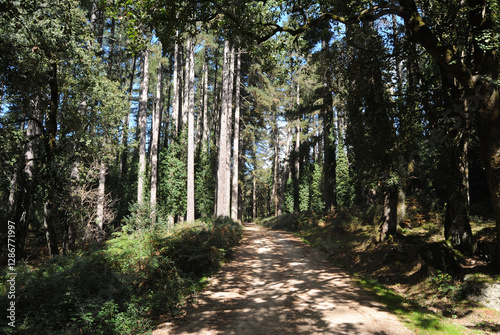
275,284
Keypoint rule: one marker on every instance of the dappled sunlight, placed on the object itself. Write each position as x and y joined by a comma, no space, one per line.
276,284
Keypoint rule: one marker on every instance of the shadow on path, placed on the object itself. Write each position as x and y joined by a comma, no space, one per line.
276,284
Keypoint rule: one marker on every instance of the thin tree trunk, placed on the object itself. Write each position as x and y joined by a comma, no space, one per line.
13,188
190,110
205,105
296,200
329,166
155,141
229,124
236,144
143,105
175,88
122,168
101,196
254,196
51,127
389,218
286,171
222,171
276,165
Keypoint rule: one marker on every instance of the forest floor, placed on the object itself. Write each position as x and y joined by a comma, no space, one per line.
277,284
397,265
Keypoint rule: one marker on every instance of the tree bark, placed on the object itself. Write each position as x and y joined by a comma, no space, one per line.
329,166
286,171
175,89
222,171
122,168
49,216
483,95
206,130
101,196
190,110
236,144
229,124
143,110
457,227
155,140
296,171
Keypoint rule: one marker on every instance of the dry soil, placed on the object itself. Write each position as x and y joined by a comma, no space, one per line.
276,284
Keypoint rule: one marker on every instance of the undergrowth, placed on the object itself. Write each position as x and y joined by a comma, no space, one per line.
141,272
349,239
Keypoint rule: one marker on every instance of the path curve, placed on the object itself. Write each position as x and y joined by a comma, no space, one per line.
276,284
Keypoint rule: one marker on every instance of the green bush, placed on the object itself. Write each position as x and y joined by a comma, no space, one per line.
198,250
142,272
79,294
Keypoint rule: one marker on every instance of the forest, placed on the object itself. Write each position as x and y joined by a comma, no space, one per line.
136,136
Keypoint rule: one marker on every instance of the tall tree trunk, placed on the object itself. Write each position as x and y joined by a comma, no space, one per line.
329,166
206,130
222,170
236,144
276,165
254,196
389,220
13,185
155,141
122,167
142,117
49,217
482,93
25,183
175,88
286,171
101,196
190,110
229,125
457,227
296,171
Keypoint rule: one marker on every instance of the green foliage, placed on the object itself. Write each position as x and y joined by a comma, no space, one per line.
288,203
199,249
345,190
290,222
446,284
173,177
141,273
317,201
205,183
76,294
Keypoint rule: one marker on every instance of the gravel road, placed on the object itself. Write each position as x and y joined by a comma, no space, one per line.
276,284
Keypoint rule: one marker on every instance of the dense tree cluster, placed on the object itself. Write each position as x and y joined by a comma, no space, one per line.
244,109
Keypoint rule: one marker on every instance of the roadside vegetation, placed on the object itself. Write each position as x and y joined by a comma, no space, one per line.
122,286
431,298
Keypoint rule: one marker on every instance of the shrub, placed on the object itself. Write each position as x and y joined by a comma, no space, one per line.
143,271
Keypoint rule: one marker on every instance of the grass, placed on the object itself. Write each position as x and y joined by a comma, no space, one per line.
417,320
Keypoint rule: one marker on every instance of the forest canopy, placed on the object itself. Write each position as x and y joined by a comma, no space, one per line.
201,109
